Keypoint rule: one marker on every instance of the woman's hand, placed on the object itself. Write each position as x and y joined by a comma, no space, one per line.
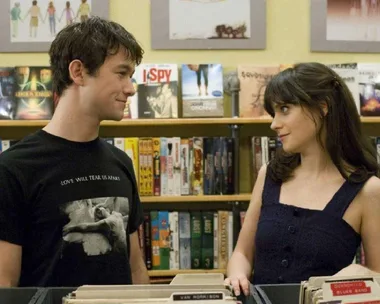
238,281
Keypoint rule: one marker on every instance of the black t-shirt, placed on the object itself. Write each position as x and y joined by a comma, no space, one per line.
71,206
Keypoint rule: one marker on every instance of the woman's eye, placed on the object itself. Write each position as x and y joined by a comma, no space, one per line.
284,109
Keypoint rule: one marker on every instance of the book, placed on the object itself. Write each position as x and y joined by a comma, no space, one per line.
33,93
202,90
157,86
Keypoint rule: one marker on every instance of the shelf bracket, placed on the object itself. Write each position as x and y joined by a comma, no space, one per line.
232,88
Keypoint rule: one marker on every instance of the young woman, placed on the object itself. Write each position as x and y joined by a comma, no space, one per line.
313,204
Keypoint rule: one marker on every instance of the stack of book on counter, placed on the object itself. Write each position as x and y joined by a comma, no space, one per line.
184,288
340,290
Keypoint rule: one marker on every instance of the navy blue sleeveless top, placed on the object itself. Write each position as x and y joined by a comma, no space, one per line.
292,243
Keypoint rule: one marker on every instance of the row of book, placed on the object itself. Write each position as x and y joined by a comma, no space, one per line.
26,92
189,239
362,80
174,240
174,166
263,149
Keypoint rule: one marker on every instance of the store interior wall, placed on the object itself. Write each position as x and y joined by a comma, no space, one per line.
287,39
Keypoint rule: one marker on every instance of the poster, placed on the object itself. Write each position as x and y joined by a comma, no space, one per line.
353,20
209,19
41,20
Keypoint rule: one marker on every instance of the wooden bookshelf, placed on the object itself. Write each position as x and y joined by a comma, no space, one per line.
193,198
172,273
370,119
166,122
146,122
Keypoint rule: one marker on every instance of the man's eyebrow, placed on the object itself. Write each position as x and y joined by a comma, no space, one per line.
125,66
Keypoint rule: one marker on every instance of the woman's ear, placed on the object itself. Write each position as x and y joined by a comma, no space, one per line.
324,108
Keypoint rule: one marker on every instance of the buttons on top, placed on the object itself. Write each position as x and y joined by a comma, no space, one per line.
285,263
292,229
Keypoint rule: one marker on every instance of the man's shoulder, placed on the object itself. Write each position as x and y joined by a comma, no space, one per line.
117,152
21,149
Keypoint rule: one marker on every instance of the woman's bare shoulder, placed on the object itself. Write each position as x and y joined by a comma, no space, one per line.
371,191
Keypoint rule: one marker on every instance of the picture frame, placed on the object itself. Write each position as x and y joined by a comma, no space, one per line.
161,28
98,7
354,35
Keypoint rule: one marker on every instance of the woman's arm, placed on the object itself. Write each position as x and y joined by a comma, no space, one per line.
240,265
369,231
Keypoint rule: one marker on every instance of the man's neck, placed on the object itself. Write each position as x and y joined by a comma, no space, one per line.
71,123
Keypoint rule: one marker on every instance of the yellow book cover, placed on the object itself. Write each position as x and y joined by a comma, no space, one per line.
149,165
131,147
142,166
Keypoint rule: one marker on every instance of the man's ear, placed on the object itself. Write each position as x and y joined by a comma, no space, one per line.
77,72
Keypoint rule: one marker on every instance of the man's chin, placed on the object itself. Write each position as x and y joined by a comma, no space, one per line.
114,117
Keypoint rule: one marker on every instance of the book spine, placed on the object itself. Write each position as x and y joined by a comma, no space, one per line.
184,240
207,261
185,166
196,239
174,240
155,236
148,240
164,239
156,166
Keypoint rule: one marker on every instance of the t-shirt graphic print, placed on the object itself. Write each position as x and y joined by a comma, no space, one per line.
99,224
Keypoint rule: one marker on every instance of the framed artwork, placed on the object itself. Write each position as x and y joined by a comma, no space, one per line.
208,24
30,26
345,26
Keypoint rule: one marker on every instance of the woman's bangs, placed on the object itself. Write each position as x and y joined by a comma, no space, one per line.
280,90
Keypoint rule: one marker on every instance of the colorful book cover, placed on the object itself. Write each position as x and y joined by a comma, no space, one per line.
7,92
157,87
202,90
253,82
155,239
350,75
34,96
131,109
369,89
164,239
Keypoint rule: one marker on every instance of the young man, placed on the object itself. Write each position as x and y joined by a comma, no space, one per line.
69,206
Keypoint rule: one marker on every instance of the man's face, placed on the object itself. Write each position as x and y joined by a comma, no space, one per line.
45,75
105,94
